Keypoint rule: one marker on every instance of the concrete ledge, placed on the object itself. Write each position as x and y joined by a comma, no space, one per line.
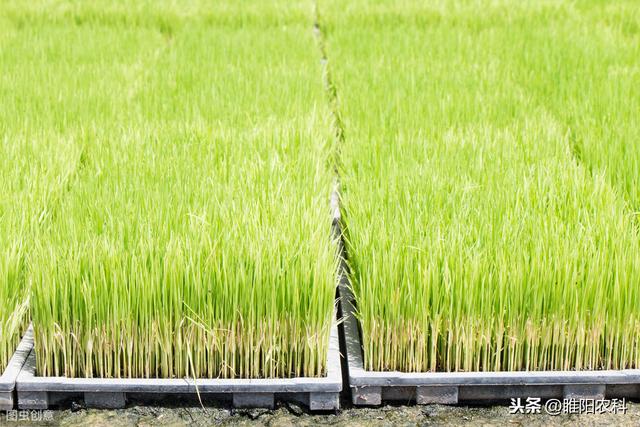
10,375
35,392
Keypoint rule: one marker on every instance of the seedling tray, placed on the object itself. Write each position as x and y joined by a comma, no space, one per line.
10,375
375,388
318,394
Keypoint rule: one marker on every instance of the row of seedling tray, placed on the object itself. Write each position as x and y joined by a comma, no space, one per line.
21,387
466,148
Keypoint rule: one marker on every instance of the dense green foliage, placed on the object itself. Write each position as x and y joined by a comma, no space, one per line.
30,171
489,149
191,236
165,172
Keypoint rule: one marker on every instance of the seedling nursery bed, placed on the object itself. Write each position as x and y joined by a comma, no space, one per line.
10,375
318,394
371,388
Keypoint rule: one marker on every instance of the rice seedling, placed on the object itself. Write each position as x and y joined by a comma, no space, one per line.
33,169
584,69
478,240
193,237
14,223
